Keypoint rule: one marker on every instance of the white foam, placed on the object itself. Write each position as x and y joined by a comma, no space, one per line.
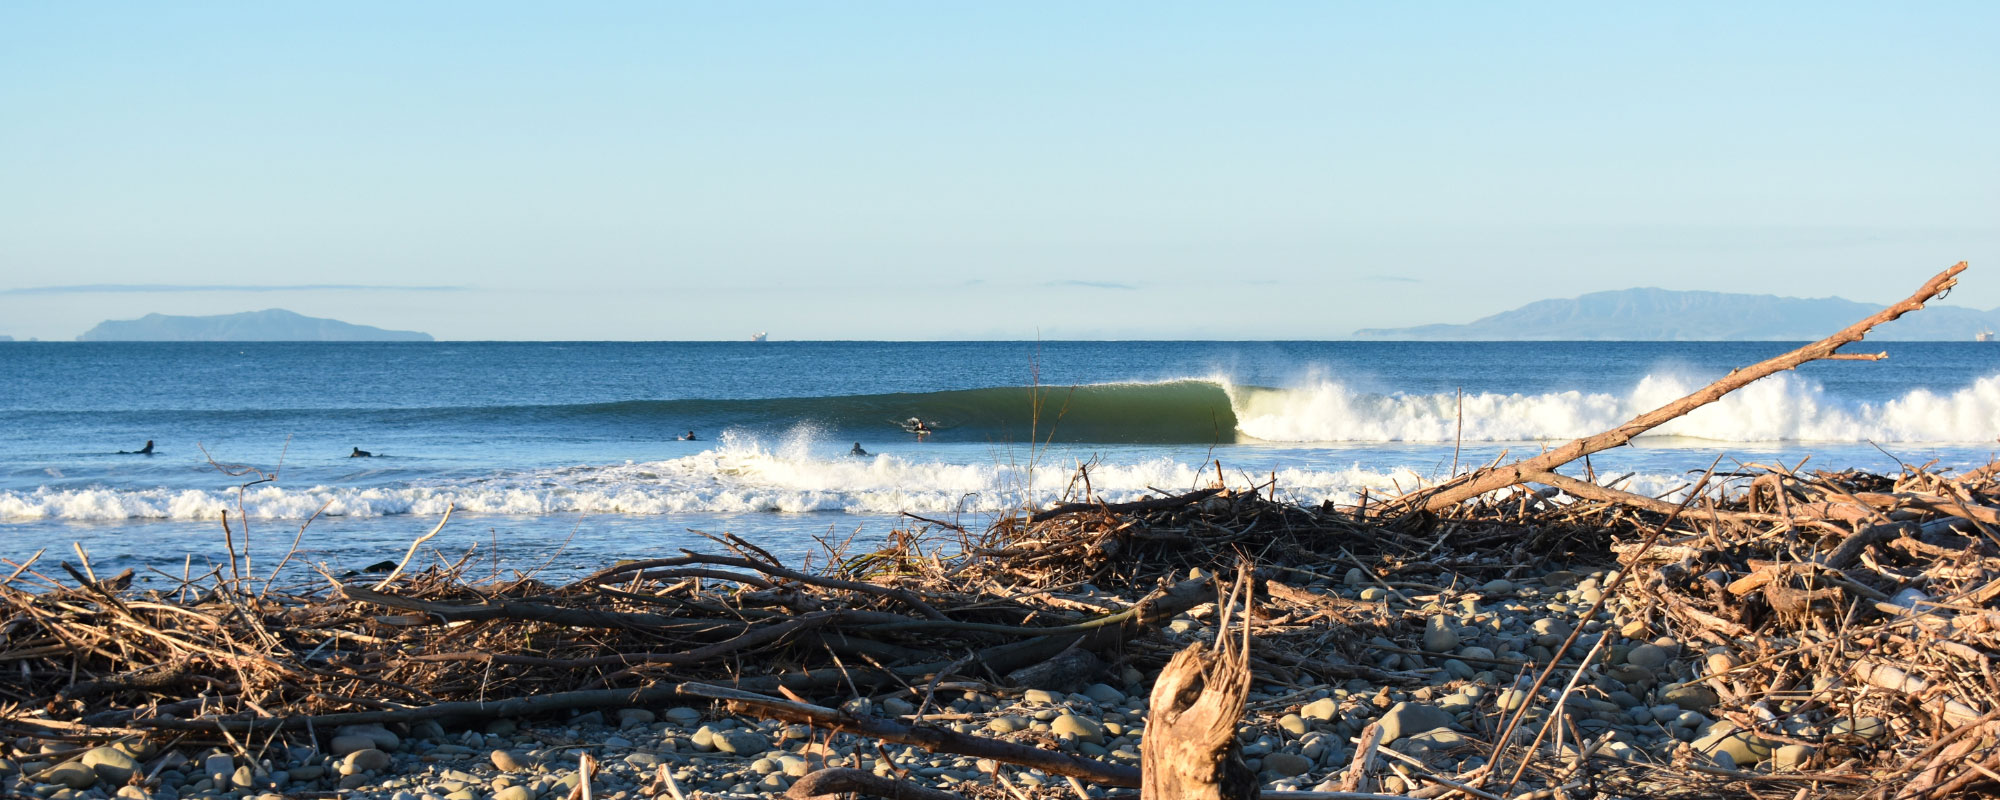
1782,407
740,474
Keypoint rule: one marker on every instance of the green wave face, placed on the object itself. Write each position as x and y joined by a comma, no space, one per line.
1175,412
1179,412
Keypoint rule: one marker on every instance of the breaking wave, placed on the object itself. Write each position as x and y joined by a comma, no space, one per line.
1320,408
1779,408
739,475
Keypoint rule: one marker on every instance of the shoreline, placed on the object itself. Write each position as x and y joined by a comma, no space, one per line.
1352,631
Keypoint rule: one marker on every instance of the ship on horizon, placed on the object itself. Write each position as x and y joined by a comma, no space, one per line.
762,336
1983,336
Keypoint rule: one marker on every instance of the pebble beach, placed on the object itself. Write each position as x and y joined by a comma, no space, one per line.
1468,647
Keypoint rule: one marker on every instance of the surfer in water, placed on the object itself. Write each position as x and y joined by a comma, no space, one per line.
857,451
689,437
143,451
917,427
360,453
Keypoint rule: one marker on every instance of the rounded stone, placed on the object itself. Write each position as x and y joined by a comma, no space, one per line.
642,760
385,740
1719,663
1429,743
742,743
628,717
1406,719
1323,709
367,760
1497,586
506,762
514,793
1006,724
1693,698
1648,656
1293,724
111,764
73,775
1742,748
1104,695
683,716
1791,757
1079,727
1440,635
350,743
1864,727
1287,764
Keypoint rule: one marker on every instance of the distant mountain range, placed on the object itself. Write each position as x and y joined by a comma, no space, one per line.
1663,315
271,325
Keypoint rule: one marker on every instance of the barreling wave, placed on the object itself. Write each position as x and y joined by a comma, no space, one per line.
740,474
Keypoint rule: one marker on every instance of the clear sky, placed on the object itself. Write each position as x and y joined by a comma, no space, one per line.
486,170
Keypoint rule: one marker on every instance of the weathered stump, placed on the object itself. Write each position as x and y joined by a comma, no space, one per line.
1190,750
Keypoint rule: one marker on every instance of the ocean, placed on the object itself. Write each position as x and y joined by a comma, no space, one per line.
562,456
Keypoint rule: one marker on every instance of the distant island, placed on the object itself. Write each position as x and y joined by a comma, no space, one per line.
271,325
1664,315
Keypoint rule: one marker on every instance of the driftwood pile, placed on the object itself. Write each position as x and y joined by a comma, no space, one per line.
1862,608
1856,613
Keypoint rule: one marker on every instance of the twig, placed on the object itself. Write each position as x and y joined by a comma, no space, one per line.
413,548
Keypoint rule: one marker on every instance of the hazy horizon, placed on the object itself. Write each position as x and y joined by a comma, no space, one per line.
906,171
1352,335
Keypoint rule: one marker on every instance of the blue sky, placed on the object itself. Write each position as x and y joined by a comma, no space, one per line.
935,170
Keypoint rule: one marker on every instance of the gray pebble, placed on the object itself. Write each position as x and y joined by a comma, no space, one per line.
1647,656
1287,764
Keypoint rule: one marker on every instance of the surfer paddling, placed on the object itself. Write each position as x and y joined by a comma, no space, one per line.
857,451
360,453
689,437
917,427
143,451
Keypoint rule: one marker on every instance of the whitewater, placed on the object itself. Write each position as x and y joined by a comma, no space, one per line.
1776,409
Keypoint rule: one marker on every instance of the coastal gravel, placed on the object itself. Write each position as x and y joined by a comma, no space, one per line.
1469,645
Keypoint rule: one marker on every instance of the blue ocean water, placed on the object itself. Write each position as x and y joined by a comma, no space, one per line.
567,451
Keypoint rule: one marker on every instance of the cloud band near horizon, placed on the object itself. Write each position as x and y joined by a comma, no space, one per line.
140,288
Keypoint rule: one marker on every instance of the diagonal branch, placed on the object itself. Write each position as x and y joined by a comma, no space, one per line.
1478,483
